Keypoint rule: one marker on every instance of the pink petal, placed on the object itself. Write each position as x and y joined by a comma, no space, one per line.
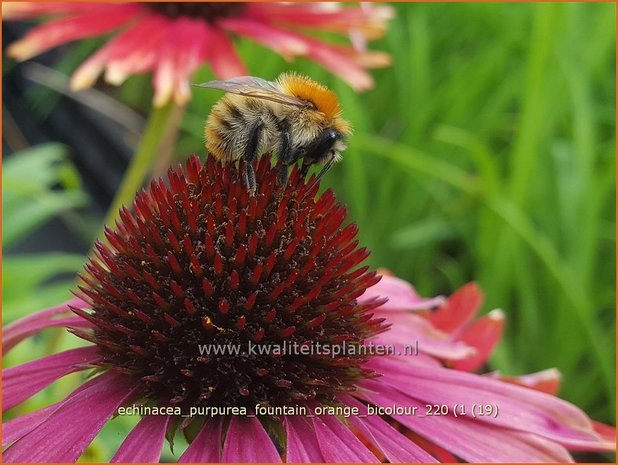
333,18
471,440
337,62
26,10
35,322
144,442
395,446
184,50
25,330
24,381
23,424
71,427
606,432
302,442
224,60
190,54
547,381
420,359
459,309
518,408
17,427
338,443
132,51
440,453
206,447
247,441
65,307
163,79
401,295
278,40
407,329
65,30
483,335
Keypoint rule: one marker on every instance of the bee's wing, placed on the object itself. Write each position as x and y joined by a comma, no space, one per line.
255,87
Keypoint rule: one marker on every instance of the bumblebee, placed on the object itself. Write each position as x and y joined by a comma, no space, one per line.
293,117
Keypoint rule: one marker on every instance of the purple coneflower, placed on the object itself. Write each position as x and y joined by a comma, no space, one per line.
173,39
199,262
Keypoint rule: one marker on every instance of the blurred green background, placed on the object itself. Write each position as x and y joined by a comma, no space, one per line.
486,152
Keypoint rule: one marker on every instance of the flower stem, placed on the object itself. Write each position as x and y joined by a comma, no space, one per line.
143,160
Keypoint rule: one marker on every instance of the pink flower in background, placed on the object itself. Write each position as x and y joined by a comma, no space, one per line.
200,261
174,39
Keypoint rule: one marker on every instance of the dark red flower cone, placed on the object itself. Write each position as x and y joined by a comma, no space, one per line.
201,263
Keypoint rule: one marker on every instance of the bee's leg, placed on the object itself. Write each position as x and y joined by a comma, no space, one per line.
249,155
304,169
285,156
283,174
250,178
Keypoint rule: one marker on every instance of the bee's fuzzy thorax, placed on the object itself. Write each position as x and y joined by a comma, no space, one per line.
304,88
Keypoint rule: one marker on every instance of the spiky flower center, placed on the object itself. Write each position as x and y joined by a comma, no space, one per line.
209,11
208,295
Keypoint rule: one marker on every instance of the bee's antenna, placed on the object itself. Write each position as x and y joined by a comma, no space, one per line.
320,174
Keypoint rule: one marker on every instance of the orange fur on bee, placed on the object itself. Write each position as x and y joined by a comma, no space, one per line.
304,88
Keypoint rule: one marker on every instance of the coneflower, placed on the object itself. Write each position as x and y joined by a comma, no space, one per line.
199,263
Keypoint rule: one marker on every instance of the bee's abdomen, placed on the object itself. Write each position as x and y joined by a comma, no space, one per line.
228,127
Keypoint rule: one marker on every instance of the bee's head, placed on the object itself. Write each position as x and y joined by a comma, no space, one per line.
326,147
330,141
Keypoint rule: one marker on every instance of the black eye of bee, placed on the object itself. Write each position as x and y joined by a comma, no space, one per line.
322,145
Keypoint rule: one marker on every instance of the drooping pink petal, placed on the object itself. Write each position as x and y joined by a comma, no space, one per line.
28,329
440,453
409,329
190,53
144,442
517,408
35,322
206,447
338,443
64,307
261,32
340,65
223,59
23,381
132,51
545,381
163,78
23,424
606,432
459,309
394,445
69,429
182,52
142,58
421,359
248,441
483,334
302,442
325,17
473,441
65,30
402,296
26,10
20,426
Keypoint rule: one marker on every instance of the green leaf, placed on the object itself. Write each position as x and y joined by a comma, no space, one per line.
37,184
26,285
